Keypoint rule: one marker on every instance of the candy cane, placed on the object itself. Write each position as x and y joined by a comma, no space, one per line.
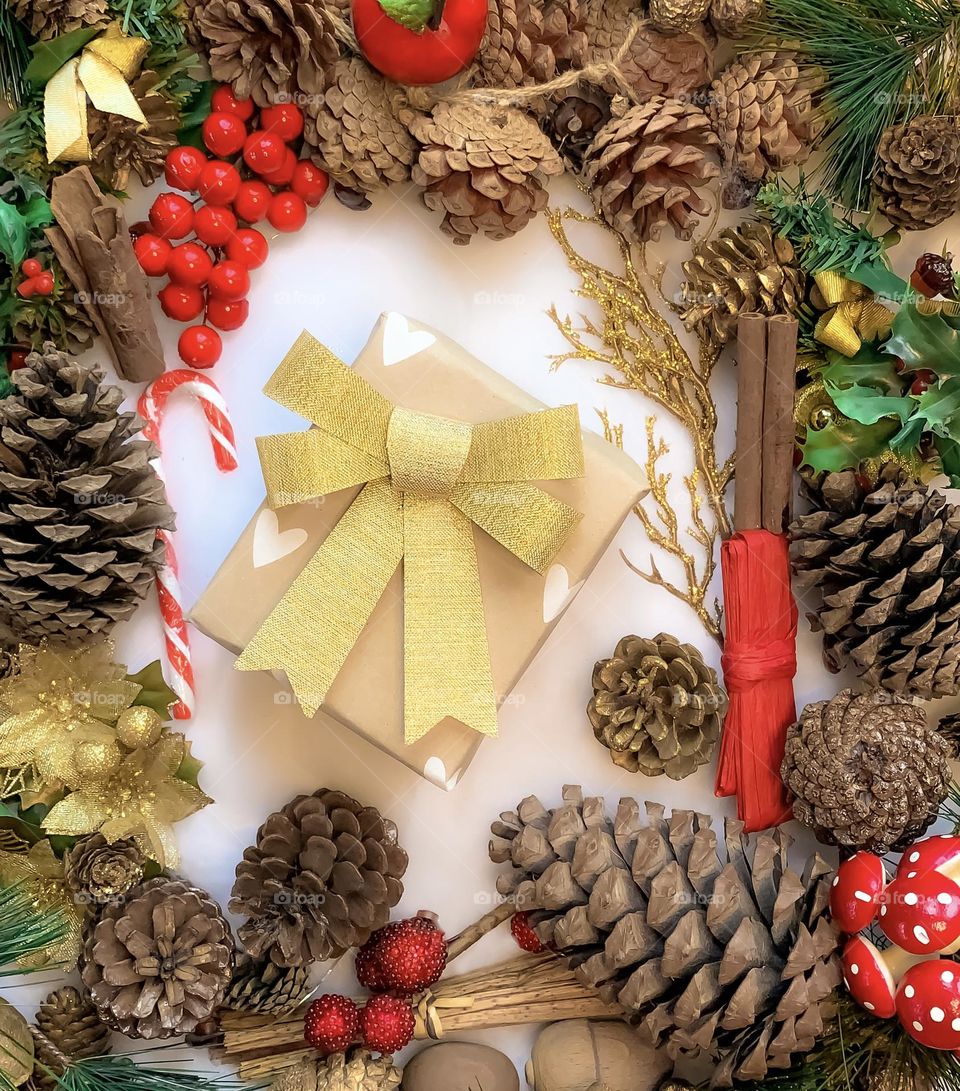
152,406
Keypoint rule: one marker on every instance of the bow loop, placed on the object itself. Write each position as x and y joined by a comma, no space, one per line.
853,315
426,453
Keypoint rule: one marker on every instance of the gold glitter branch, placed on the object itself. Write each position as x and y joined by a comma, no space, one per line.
642,352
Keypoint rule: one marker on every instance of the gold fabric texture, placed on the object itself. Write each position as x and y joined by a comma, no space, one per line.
425,480
853,317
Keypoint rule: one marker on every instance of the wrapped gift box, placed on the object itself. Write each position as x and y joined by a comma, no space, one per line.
420,369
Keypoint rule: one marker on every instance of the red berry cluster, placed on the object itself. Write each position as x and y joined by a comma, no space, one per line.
527,939
384,1024
36,280
209,274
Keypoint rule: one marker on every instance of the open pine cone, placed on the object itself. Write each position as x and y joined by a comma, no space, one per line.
71,1023
322,877
646,166
732,17
917,179
265,987
530,41
357,1070
572,120
158,962
729,958
50,18
98,871
865,770
120,146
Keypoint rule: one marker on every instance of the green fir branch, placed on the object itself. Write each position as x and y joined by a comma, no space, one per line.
24,929
121,1073
14,57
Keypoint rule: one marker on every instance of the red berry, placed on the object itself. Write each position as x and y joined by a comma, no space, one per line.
284,174
219,183
923,380
44,283
248,247
404,956
200,346
171,216
368,969
264,152
252,201
229,280
18,358
224,133
227,314
284,120
153,253
214,225
189,264
31,268
332,1023
181,302
27,288
309,182
527,939
182,167
287,211
225,100
386,1024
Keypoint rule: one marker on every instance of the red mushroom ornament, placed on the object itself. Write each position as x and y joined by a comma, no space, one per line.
856,890
928,1003
940,852
920,912
868,978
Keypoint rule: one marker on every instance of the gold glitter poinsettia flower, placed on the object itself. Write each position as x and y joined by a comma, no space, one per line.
41,874
140,798
58,701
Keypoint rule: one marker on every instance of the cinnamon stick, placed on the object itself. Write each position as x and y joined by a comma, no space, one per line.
751,361
778,427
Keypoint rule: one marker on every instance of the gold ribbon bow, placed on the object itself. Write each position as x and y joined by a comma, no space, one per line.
425,480
102,71
853,315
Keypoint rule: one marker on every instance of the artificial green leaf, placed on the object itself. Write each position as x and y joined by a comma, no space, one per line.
866,387
190,132
881,280
36,212
844,444
866,406
14,235
190,767
949,452
939,408
50,56
11,818
924,341
908,437
155,693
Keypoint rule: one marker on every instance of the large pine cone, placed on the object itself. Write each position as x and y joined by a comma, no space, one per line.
918,172
158,962
572,120
865,770
323,876
483,167
270,50
98,871
531,41
887,561
355,132
657,706
120,146
358,1070
51,18
72,1024
646,166
732,959
762,108
745,269
267,988
80,503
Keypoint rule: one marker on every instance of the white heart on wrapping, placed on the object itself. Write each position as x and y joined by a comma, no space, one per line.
557,592
270,543
435,771
400,342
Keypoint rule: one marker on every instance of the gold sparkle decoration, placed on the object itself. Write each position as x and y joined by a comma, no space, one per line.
40,874
642,352
142,800
139,726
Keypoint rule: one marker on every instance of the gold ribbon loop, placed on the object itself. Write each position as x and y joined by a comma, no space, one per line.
426,481
853,315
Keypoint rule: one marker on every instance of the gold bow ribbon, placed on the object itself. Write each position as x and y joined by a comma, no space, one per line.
853,315
102,71
425,480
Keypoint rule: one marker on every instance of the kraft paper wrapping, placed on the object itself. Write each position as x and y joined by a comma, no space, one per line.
420,369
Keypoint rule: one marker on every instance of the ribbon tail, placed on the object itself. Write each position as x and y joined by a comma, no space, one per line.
310,632
65,115
446,659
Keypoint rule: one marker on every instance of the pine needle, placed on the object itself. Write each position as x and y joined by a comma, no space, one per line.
14,57
24,929
119,1073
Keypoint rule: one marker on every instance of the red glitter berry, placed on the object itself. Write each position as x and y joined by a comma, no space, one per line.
367,966
527,939
332,1023
411,954
386,1024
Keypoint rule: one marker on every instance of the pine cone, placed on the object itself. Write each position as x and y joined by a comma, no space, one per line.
58,318
745,269
762,108
733,962
887,564
266,987
270,50
101,872
157,963
322,877
645,167
733,17
657,706
357,1071
917,178
531,41
119,145
671,16
573,119
866,770
80,506
949,730
72,1024
51,18
355,132
483,167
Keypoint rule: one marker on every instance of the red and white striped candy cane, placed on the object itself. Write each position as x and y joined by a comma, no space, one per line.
152,406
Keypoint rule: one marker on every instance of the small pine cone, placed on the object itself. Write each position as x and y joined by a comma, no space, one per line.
745,269
732,18
102,872
70,1021
483,167
673,16
657,706
865,770
57,318
355,131
50,18
646,166
120,146
949,730
358,1070
917,178
762,108
267,988
531,41
573,119
887,562
270,50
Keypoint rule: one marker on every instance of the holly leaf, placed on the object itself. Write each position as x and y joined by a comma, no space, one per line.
12,819
189,770
866,387
949,451
36,212
865,406
924,341
881,280
51,55
14,234
844,444
191,121
939,408
154,692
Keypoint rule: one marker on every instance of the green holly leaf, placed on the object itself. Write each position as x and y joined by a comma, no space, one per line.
881,280
908,438
51,55
865,406
190,768
154,692
194,115
844,444
924,341
939,408
866,388
14,234
12,819
949,452
36,212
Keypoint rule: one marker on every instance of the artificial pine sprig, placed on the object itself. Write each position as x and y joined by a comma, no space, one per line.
25,929
14,57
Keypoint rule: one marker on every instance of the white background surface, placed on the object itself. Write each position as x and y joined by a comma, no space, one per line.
334,278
